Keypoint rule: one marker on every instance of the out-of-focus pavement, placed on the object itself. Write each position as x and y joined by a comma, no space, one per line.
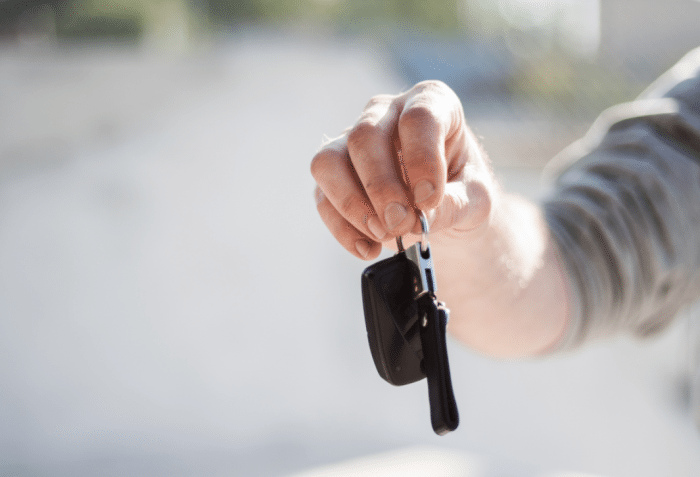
170,304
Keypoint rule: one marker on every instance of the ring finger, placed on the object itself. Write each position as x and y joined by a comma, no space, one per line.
336,177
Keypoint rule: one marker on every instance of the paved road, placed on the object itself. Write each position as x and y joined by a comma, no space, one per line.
171,305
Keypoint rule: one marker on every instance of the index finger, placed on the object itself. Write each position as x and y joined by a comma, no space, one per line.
430,115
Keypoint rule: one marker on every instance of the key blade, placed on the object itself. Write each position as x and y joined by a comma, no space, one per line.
425,282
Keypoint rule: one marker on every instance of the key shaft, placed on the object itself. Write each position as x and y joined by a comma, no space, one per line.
421,256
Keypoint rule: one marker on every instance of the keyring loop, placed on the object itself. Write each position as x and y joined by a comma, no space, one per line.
425,231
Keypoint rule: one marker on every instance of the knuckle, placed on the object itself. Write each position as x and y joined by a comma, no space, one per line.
380,99
419,115
363,128
432,85
317,165
360,134
324,160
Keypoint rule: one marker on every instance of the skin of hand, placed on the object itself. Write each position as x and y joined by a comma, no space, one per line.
497,266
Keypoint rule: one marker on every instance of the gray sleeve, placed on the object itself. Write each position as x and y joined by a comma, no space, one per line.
625,211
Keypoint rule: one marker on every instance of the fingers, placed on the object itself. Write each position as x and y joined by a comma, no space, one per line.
431,116
371,148
342,189
345,233
400,155
464,207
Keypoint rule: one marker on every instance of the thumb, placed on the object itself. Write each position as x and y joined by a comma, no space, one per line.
466,204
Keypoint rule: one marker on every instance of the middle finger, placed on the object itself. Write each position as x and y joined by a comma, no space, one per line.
371,148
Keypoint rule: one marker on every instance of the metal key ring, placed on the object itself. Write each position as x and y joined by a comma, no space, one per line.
425,231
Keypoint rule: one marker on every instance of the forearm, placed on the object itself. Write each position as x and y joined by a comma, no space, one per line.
625,215
517,303
626,212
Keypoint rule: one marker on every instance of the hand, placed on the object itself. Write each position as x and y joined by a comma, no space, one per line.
498,267
408,151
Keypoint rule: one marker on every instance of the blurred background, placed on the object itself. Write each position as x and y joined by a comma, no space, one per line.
170,303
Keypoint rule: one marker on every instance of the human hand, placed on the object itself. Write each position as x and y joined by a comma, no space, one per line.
405,152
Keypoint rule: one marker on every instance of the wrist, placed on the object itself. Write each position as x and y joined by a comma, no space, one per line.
502,282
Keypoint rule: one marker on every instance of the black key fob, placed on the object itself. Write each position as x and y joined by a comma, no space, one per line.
406,326
391,316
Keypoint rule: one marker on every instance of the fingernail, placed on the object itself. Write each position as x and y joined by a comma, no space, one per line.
362,248
422,191
375,226
394,214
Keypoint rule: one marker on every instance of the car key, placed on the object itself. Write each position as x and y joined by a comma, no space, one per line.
406,326
433,316
391,317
